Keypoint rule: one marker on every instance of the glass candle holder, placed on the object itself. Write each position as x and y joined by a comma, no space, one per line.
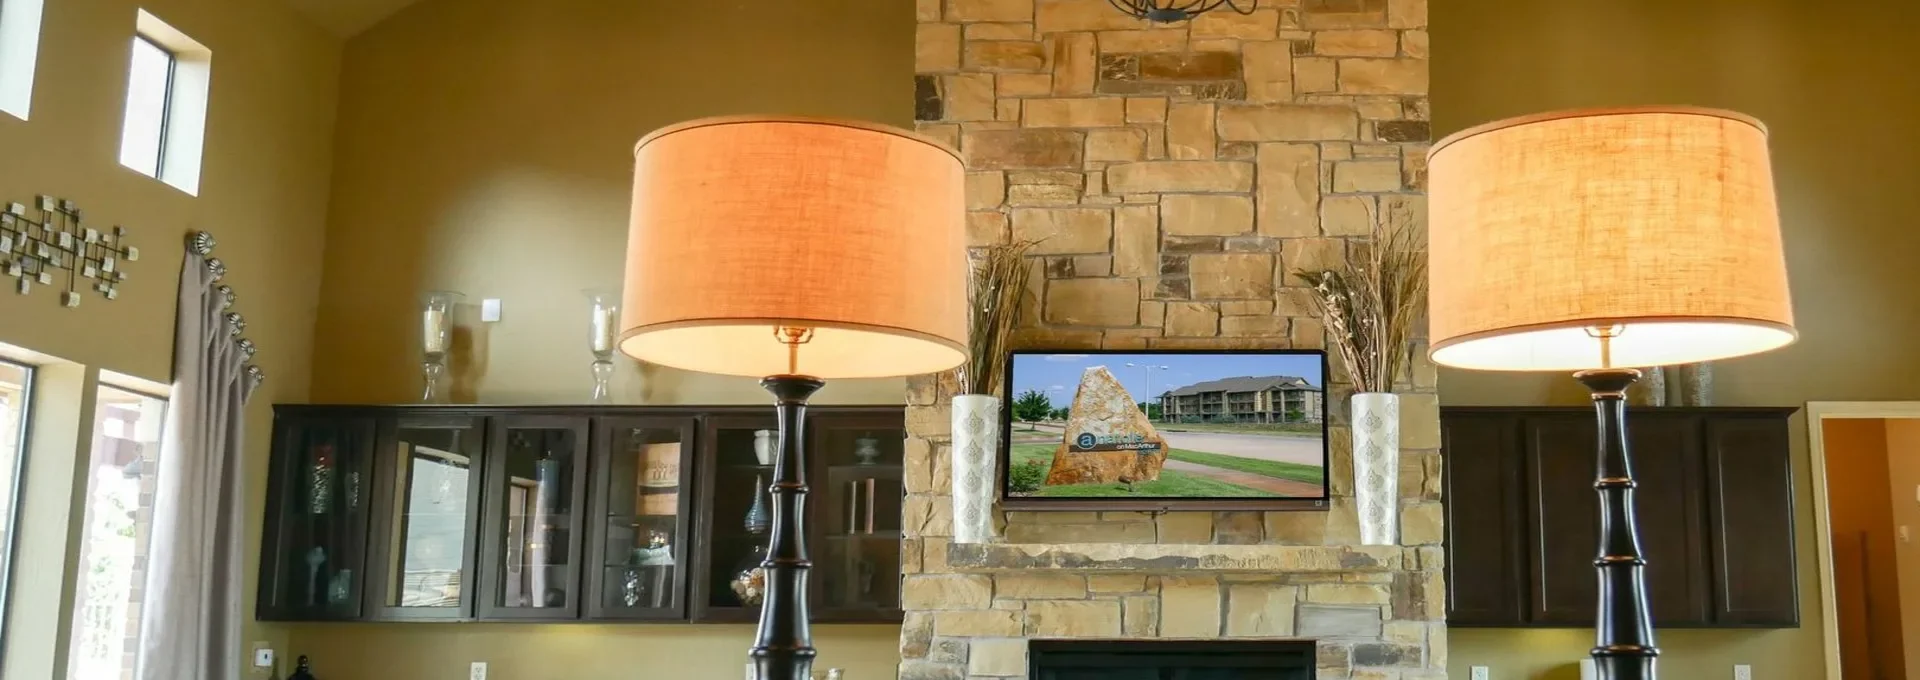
436,338
603,326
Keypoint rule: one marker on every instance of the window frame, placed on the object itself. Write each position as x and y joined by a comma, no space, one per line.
185,97
15,492
166,103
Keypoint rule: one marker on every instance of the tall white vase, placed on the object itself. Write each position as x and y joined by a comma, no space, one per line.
976,445
1376,466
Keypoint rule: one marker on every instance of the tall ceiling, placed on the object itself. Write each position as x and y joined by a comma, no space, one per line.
347,18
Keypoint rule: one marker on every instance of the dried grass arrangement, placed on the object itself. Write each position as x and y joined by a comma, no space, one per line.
1372,303
996,295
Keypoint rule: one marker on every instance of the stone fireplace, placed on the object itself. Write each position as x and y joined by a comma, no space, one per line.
1176,178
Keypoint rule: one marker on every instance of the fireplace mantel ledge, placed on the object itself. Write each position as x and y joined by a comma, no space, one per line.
1169,558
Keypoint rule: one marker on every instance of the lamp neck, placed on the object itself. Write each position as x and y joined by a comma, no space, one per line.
1605,334
793,337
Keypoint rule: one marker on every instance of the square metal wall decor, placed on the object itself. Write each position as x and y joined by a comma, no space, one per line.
51,244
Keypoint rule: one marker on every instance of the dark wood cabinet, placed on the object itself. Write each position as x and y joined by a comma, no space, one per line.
496,513
1713,502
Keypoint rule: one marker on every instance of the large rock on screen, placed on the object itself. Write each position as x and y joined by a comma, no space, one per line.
1108,439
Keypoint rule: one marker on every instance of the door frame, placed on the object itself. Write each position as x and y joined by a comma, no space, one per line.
1817,413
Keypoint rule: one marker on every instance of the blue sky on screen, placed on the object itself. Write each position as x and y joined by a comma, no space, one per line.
1057,375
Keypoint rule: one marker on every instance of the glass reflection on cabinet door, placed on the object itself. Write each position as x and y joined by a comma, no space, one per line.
536,481
430,516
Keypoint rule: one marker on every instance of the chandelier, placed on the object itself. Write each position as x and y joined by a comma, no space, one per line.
1171,11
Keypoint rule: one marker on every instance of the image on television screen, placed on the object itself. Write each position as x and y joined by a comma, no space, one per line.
1166,425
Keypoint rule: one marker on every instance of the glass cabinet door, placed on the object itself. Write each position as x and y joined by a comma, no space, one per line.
858,492
642,497
736,515
316,529
535,489
427,508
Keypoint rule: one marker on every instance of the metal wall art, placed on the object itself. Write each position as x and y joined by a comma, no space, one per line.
201,243
35,249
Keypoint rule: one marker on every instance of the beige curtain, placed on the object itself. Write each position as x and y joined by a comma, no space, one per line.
190,621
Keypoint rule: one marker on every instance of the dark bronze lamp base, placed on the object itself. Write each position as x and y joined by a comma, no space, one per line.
1623,626
783,649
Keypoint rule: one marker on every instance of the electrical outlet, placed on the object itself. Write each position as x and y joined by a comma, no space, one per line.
490,310
478,672
1742,672
1479,673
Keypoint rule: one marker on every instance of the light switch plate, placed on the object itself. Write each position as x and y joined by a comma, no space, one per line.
263,658
1479,673
478,671
490,310
1742,672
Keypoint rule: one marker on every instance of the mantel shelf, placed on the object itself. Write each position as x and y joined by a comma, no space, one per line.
1159,558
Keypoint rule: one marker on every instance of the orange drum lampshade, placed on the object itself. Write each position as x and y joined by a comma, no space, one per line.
743,226
1657,224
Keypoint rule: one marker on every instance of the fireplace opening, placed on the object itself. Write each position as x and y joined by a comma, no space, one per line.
1169,660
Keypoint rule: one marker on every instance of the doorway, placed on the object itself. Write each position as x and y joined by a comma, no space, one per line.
1866,467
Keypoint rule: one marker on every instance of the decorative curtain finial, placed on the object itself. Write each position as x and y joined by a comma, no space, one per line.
201,243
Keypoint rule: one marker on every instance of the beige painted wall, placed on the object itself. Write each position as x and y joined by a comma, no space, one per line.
568,652
485,146
1903,465
262,192
1831,84
1864,567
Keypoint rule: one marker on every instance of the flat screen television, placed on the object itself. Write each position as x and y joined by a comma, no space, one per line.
1164,430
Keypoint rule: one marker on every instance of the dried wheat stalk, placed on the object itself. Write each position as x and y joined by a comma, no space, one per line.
1371,304
995,296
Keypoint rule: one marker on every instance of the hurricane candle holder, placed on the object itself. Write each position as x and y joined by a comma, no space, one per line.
602,329
436,326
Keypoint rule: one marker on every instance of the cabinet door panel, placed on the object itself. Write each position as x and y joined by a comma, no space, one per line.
734,517
1486,585
1750,495
313,551
641,519
426,513
1566,520
1668,508
530,539
857,493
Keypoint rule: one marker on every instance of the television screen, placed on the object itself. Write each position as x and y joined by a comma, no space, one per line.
1240,427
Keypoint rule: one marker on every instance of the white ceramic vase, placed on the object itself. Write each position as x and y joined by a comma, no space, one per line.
1376,466
976,444
763,446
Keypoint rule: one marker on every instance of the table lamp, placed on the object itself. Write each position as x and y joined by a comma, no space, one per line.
795,250
1596,241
